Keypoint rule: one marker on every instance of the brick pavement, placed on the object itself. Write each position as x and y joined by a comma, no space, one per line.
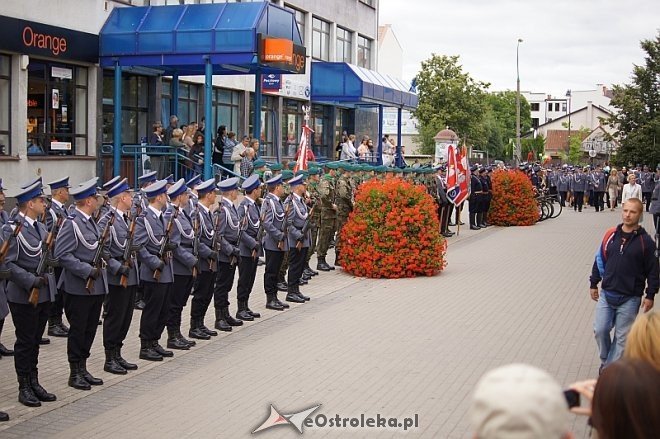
394,347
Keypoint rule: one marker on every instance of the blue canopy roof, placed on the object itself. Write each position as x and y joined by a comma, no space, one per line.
352,85
180,38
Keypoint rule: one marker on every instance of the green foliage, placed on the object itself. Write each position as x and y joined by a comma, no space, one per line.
449,97
536,146
637,123
575,153
501,121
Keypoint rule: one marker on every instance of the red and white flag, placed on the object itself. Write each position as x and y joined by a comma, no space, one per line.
458,182
304,152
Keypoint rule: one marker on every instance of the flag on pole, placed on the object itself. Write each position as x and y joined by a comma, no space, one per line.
303,151
458,187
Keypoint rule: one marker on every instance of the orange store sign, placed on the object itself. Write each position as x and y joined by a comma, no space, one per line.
282,53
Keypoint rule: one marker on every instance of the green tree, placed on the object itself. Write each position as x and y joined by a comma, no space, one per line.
637,123
449,97
575,152
534,145
503,107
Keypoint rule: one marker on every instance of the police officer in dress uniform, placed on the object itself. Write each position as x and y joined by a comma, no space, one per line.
185,261
208,256
274,242
562,186
298,239
76,246
647,181
228,253
578,186
485,198
4,309
599,182
59,191
445,206
476,190
22,258
155,269
120,299
140,204
250,248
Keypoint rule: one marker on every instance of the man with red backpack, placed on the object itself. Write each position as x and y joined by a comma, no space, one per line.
626,264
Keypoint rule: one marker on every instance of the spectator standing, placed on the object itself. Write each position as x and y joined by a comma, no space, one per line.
176,142
626,264
363,149
348,151
247,165
219,145
158,161
631,189
644,338
655,204
230,143
174,124
196,155
613,188
238,152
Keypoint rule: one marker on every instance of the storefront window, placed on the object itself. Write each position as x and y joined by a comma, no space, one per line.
5,104
226,106
188,98
266,144
292,119
135,122
322,138
57,109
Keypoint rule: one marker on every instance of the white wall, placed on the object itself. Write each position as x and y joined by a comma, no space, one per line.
390,55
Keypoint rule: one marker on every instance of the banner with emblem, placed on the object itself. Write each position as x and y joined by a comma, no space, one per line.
458,183
304,151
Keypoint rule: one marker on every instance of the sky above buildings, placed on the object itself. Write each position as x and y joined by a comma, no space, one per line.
567,44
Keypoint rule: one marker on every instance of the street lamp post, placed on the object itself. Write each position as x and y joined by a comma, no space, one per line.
518,150
568,95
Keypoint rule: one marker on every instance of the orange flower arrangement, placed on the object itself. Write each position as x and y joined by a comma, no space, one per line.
393,232
513,201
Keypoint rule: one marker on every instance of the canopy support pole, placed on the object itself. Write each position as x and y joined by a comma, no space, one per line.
399,159
116,129
208,96
257,109
379,159
174,103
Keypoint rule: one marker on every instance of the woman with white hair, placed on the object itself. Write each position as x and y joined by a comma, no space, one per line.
632,189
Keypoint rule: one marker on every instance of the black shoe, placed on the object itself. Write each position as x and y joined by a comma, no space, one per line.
222,325
161,351
4,417
312,272
196,332
302,281
272,304
123,363
139,305
305,298
26,395
284,304
4,352
448,234
149,354
230,319
56,331
244,314
483,226
174,342
307,277
461,223
475,228
293,297
282,286
322,265
92,380
111,364
207,331
43,341
76,380
256,315
39,391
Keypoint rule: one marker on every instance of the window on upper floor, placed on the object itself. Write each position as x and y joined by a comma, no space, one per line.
344,45
534,106
550,106
556,106
300,19
364,52
320,39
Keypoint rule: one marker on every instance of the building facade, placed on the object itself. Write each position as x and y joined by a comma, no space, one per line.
56,103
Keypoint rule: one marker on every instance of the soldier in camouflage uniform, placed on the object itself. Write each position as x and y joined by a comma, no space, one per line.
327,193
315,221
344,201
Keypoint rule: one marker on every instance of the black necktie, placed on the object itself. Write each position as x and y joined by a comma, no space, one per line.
36,227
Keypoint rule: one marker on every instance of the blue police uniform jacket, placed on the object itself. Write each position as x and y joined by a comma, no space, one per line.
149,236
207,232
249,209
184,259
228,227
296,219
115,247
273,220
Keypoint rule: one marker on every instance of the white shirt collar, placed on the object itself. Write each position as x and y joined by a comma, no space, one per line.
57,203
87,217
206,209
156,211
250,200
29,220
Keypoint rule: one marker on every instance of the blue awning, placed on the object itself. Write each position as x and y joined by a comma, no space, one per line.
181,38
342,83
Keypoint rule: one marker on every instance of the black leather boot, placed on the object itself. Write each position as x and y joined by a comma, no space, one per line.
322,265
190,343
273,303
147,351
56,328
4,417
196,332
38,390
292,296
243,313
88,376
4,352
123,363
282,286
76,380
26,395
305,298
256,315
229,318
111,364
309,269
174,342
220,323
160,350
284,304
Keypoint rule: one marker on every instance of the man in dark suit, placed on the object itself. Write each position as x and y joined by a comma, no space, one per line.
23,256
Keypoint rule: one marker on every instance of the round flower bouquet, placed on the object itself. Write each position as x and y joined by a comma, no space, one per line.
513,201
392,232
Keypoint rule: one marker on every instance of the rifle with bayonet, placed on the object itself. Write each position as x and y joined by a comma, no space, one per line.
213,262
195,247
165,244
241,228
285,226
128,250
46,251
98,256
5,245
